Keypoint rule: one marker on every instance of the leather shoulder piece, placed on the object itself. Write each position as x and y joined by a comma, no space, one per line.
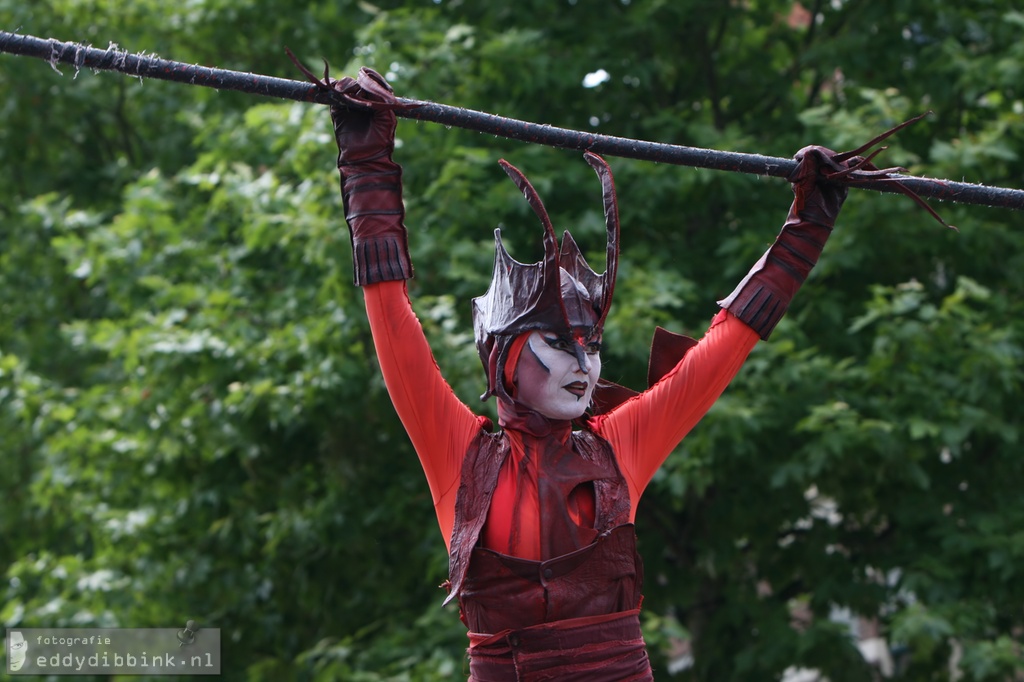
667,349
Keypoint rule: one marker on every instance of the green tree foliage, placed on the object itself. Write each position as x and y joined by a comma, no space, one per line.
192,424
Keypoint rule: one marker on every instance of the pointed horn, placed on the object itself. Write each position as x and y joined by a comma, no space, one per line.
533,199
611,219
551,267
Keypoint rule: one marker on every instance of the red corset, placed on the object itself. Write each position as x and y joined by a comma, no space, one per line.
502,592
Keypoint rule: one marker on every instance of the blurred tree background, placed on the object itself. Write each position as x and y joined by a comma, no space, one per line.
192,424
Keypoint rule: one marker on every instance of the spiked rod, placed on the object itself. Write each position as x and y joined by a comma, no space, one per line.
150,66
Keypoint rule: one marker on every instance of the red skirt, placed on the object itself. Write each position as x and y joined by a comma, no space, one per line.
592,649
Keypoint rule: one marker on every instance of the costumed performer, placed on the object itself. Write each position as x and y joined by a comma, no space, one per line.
538,515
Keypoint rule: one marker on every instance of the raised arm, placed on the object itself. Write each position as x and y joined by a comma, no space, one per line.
438,423
644,430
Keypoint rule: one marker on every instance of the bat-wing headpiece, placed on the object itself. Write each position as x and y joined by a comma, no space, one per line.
560,293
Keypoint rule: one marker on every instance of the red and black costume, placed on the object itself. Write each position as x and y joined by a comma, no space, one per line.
538,516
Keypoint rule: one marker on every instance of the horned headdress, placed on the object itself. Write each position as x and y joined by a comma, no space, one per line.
561,293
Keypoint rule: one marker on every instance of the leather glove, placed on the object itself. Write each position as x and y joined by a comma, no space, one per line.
763,296
820,181
371,182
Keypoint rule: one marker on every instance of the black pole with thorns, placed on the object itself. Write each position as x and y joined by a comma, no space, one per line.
150,66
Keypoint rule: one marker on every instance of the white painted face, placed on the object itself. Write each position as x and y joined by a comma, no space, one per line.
549,378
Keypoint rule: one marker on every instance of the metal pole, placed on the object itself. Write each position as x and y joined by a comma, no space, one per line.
149,66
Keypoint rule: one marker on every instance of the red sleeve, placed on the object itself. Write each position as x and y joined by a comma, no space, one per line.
644,430
440,425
